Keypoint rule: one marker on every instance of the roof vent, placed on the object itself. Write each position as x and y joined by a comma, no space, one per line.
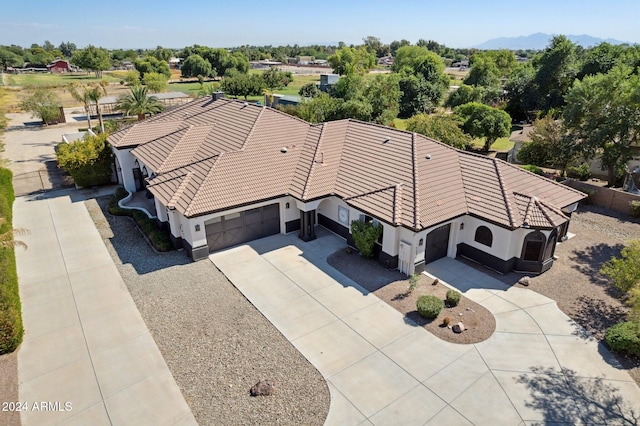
386,140
245,104
283,149
428,157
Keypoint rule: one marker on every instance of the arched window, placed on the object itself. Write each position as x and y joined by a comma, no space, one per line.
551,245
484,236
533,246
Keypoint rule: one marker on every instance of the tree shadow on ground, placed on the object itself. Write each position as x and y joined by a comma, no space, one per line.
563,397
596,316
368,273
589,261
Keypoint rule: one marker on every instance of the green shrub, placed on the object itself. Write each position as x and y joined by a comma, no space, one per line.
429,306
453,297
414,279
624,338
581,172
87,161
11,329
365,235
635,208
533,169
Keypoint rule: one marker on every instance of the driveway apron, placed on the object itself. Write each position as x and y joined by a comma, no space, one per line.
87,356
539,366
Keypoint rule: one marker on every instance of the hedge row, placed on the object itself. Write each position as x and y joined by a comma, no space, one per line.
158,237
11,329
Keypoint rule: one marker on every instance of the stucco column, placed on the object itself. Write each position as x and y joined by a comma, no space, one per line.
307,225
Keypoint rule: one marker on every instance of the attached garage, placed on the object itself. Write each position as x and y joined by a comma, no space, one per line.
237,228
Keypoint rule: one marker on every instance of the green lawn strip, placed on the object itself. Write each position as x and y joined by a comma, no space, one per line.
502,144
11,329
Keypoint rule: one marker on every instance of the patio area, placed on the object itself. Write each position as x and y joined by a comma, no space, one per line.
139,200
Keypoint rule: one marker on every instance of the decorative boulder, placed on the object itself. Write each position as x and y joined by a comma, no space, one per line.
525,281
263,388
458,328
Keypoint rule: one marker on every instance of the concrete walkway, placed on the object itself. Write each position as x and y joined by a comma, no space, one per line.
87,352
382,369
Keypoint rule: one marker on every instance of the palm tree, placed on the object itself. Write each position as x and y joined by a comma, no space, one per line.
88,94
139,103
6,238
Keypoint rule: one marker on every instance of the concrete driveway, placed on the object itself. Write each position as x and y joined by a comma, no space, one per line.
539,366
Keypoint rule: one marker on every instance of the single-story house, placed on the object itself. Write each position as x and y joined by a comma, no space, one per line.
223,172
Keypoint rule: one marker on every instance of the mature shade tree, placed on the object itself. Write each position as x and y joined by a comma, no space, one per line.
196,65
162,53
317,110
39,56
43,103
243,85
152,64
463,95
156,82
309,90
549,146
603,117
441,127
92,58
521,92
132,78
375,46
276,79
67,49
351,60
484,72
10,59
483,121
423,81
395,45
383,93
600,59
138,102
556,68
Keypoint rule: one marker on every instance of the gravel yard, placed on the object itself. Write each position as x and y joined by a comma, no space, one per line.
216,344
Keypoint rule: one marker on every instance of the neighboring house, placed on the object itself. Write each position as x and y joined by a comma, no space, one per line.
224,172
61,66
327,81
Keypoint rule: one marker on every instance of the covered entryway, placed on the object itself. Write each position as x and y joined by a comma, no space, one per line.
237,228
437,244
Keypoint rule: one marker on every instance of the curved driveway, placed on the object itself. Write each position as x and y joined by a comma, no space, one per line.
539,366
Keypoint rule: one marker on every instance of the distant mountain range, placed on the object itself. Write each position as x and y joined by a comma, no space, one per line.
539,41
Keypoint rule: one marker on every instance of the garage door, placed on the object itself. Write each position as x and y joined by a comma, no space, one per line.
437,243
238,228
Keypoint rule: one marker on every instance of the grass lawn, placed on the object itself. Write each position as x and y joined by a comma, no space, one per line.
502,144
55,80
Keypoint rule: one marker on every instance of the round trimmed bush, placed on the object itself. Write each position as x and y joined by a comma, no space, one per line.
453,297
624,338
429,306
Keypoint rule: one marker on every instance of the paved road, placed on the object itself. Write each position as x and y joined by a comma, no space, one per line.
381,369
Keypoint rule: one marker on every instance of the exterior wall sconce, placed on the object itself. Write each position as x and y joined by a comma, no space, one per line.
286,206
198,228
421,242
462,226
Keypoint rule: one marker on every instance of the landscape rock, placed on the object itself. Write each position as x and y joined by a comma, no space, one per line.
458,328
525,281
263,388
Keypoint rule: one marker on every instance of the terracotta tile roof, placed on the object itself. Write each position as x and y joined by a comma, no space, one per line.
223,154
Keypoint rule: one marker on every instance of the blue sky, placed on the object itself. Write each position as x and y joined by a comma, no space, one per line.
229,23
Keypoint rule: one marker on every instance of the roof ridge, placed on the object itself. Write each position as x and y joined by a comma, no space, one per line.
166,158
197,191
414,171
255,123
397,203
178,194
364,194
313,161
190,164
505,196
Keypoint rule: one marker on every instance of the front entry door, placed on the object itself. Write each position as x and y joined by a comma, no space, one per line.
437,244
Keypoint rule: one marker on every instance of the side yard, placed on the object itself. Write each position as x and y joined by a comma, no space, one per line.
216,344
